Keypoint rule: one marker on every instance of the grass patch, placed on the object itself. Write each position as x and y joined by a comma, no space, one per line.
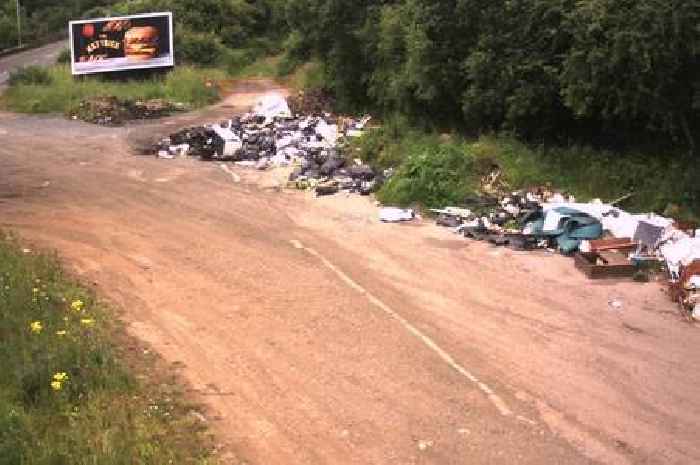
436,170
659,182
263,67
310,75
69,394
62,91
244,63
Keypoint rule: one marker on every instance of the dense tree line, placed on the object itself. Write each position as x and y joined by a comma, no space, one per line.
608,69
603,71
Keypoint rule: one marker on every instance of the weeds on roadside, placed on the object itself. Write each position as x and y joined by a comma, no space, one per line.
436,170
62,91
30,75
68,394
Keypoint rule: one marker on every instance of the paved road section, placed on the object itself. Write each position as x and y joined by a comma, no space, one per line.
45,55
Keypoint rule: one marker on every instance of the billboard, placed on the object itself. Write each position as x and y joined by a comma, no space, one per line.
121,43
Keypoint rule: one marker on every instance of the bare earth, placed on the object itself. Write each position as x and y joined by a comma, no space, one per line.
317,335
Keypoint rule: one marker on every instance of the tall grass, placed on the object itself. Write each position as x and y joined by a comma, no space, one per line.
184,84
67,395
437,170
261,67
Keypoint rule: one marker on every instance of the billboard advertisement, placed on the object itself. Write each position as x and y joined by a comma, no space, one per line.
122,43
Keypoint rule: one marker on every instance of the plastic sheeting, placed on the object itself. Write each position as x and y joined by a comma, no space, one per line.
395,215
618,222
681,252
329,132
232,143
271,106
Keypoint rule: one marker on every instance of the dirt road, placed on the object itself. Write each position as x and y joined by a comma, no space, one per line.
45,55
317,335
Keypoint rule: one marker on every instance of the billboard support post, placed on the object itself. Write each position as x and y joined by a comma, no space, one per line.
19,25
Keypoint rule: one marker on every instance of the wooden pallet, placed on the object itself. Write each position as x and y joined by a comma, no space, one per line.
604,264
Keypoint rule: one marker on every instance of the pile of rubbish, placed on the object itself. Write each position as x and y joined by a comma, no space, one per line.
112,111
271,136
605,241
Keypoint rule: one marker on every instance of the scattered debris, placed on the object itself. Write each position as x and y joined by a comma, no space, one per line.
270,136
605,264
685,290
300,133
424,445
605,241
395,215
112,111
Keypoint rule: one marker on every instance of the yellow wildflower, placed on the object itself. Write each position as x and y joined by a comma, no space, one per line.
61,332
60,376
56,385
36,327
77,305
87,321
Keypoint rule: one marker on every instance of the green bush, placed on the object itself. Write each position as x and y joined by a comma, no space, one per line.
236,60
64,58
8,32
433,174
295,54
614,73
437,170
201,48
31,75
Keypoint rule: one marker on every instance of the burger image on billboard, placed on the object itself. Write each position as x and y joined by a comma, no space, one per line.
141,43
122,43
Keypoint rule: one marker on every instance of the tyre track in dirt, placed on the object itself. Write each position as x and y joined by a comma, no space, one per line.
296,366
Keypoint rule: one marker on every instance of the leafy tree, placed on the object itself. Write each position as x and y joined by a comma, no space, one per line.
635,61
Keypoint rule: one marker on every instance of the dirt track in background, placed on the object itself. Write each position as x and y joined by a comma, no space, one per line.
317,335
46,55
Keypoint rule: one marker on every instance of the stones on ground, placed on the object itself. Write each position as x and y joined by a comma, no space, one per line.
424,445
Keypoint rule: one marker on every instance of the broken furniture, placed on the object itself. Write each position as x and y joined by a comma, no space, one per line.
604,264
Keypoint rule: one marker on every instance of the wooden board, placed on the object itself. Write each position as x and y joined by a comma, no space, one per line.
615,265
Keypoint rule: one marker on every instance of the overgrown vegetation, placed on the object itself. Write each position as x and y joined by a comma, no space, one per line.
604,92
230,34
188,85
68,395
31,75
613,74
607,73
438,170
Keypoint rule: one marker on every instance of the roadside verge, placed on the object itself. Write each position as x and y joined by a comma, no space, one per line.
76,384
